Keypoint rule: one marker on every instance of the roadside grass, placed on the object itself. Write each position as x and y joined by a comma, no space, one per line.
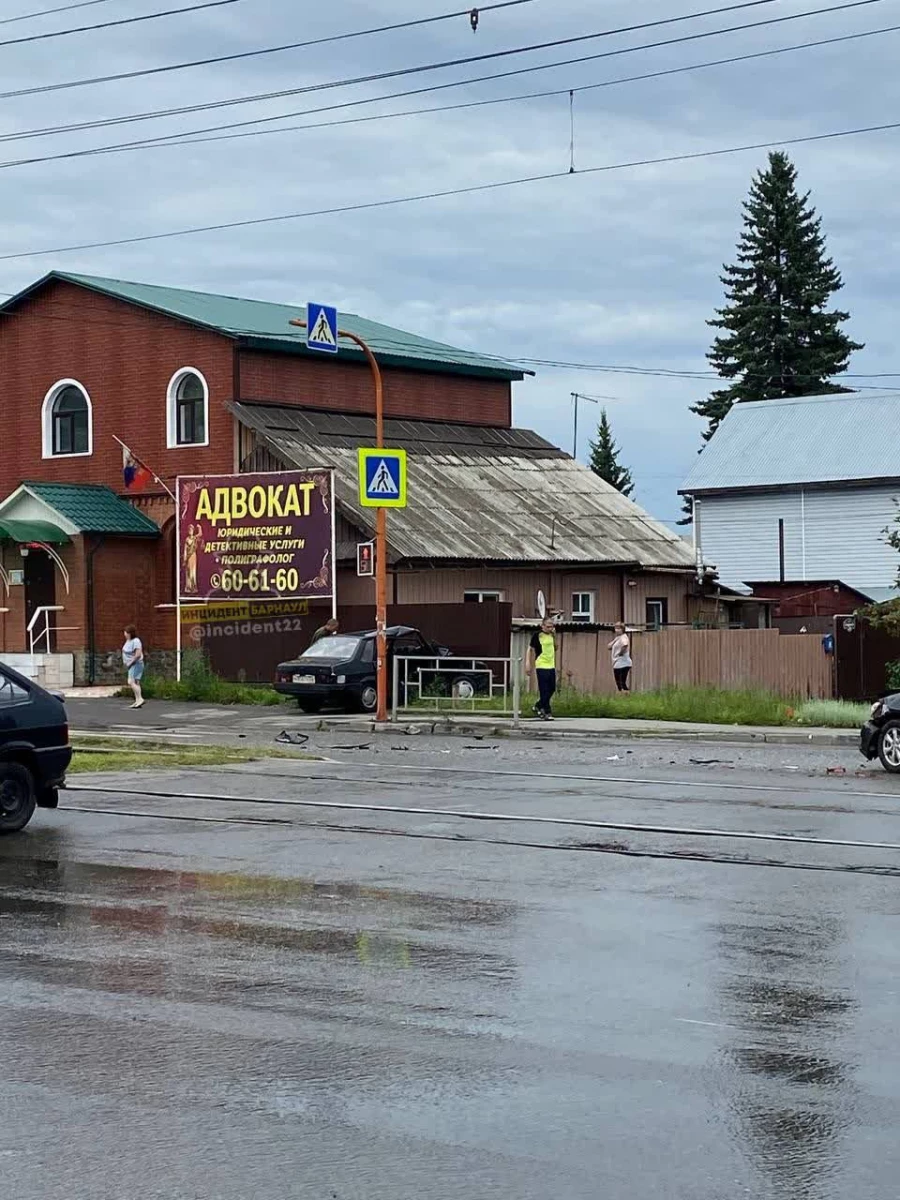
711,706
835,714
200,684
213,691
112,754
706,706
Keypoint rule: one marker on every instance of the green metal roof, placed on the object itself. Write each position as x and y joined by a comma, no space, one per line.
94,508
23,532
262,323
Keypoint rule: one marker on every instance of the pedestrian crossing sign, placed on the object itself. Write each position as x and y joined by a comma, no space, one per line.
322,328
382,478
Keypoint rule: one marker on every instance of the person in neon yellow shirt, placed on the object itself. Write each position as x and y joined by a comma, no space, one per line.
541,661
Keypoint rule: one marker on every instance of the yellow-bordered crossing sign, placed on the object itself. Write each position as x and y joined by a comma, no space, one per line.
382,477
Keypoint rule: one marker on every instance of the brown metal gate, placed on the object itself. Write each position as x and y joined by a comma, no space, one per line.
250,650
862,653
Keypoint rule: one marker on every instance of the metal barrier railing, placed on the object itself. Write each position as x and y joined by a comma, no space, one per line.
429,683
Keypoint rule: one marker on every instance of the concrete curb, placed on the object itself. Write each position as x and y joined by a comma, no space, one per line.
742,735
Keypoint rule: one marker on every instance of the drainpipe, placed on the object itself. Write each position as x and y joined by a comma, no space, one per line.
91,625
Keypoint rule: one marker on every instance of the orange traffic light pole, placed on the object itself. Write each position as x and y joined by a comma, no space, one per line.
380,531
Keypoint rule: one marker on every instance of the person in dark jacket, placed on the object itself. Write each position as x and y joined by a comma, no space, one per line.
329,629
541,662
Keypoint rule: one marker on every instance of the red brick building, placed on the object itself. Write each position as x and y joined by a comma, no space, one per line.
196,383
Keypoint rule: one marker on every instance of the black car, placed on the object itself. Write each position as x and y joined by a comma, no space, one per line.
880,736
340,670
34,749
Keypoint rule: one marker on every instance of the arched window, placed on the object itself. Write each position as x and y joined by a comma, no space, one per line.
67,420
187,416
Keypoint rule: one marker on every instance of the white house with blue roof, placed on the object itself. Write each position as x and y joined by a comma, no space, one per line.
802,489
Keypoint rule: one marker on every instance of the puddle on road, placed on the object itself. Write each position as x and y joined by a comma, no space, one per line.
789,1067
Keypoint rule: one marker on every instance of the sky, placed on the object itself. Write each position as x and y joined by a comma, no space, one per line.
615,268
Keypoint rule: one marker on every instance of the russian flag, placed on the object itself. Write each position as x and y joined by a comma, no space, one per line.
135,474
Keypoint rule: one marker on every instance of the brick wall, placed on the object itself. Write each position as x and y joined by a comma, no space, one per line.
125,358
347,387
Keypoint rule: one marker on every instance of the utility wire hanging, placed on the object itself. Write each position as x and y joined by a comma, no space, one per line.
340,37
235,101
169,12
196,137
571,132
444,193
49,12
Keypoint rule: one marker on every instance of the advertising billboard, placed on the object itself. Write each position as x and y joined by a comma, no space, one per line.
256,537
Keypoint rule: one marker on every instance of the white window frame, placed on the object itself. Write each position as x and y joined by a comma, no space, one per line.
662,603
47,420
493,593
172,442
585,618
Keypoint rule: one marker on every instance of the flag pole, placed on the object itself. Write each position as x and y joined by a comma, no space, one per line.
155,477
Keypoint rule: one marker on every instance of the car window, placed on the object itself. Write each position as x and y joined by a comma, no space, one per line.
332,647
12,692
368,651
410,643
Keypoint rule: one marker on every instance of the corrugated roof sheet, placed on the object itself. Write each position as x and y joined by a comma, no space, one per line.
810,439
94,508
501,495
269,322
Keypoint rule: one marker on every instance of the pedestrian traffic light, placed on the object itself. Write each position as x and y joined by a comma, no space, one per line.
365,559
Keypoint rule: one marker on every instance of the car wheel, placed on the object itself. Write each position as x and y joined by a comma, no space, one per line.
17,798
889,747
310,706
464,689
368,698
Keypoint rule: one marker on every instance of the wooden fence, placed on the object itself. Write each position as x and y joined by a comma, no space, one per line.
790,665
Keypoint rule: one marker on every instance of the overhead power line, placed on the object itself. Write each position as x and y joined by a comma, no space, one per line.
171,12
157,114
447,193
49,12
339,37
191,138
479,356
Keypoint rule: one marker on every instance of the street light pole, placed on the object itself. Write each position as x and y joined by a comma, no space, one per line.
576,396
380,532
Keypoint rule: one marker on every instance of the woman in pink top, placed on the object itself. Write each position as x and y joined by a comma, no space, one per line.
620,649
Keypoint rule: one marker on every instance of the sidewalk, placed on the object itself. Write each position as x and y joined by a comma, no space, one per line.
600,727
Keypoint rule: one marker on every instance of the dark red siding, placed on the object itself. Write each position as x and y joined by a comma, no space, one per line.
125,358
347,387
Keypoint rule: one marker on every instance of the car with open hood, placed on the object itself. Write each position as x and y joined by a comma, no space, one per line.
340,670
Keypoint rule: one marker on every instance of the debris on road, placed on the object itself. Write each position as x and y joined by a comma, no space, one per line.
292,739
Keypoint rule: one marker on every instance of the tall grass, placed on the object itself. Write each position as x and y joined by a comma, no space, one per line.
711,706
836,714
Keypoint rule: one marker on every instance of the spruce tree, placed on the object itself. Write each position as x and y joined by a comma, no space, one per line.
777,336
605,459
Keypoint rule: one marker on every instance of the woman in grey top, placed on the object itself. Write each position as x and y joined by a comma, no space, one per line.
620,649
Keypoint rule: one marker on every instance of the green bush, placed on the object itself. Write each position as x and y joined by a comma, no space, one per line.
892,670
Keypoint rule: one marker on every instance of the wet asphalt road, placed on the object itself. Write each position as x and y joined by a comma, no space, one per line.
212,998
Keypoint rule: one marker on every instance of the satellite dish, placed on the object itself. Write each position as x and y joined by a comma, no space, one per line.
541,605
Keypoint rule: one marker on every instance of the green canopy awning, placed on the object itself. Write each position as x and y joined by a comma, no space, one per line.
31,531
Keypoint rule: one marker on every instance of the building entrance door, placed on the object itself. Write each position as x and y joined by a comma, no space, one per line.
40,591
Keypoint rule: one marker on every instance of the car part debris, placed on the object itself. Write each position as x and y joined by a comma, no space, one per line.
289,738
